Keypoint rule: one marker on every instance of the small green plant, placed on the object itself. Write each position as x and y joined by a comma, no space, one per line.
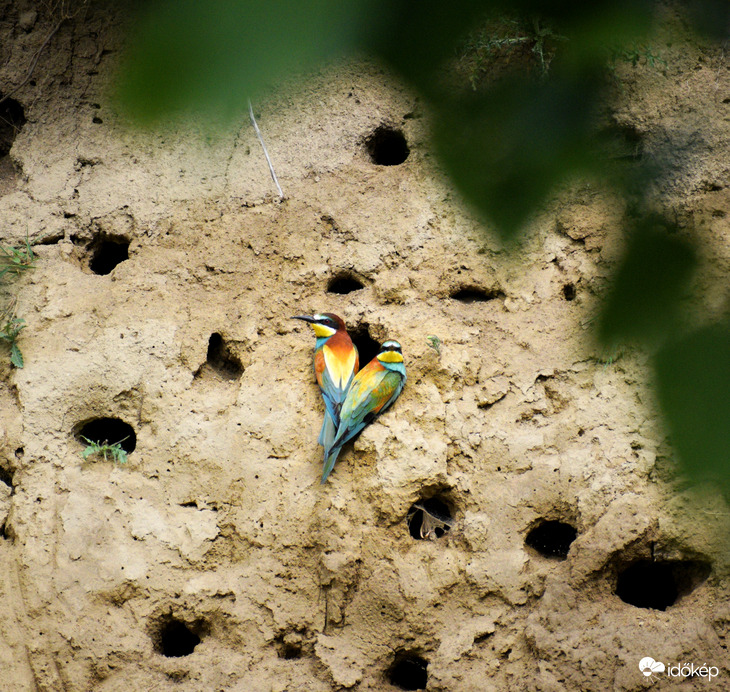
15,260
105,450
434,342
637,53
505,41
9,333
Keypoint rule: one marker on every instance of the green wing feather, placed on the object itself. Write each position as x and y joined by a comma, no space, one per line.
359,409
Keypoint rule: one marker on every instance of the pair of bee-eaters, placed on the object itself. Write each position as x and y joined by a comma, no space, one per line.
353,398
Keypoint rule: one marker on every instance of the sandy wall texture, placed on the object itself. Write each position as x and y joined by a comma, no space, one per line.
158,310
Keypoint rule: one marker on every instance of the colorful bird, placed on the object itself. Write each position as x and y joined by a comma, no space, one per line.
335,362
372,391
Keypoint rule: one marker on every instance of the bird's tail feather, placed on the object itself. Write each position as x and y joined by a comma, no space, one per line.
330,459
328,431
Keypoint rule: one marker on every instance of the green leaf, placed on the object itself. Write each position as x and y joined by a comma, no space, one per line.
17,324
649,285
91,449
507,150
693,380
417,43
16,357
187,53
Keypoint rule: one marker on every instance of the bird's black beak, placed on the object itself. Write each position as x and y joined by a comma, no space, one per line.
304,318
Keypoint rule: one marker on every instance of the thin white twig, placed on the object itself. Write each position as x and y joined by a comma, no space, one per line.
263,146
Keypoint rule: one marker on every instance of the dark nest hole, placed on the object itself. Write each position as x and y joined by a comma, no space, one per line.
106,252
175,638
658,584
289,651
221,359
569,292
474,294
367,347
387,146
107,431
343,284
552,538
288,648
6,477
408,672
12,119
429,519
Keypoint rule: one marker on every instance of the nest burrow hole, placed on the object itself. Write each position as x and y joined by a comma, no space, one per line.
342,284
6,477
387,146
552,538
288,647
429,519
107,431
289,651
12,119
106,252
222,359
409,672
569,291
657,584
475,294
367,347
175,638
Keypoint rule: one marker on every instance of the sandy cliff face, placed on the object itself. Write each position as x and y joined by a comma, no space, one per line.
158,309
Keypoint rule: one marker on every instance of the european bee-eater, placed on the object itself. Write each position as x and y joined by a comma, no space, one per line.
372,391
335,362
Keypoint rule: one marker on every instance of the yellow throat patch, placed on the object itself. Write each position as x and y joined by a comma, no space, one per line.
322,331
390,357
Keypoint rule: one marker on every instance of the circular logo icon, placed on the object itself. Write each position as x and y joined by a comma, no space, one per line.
648,665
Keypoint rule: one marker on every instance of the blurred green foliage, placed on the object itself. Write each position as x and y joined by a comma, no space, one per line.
508,144
217,54
693,374
649,285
